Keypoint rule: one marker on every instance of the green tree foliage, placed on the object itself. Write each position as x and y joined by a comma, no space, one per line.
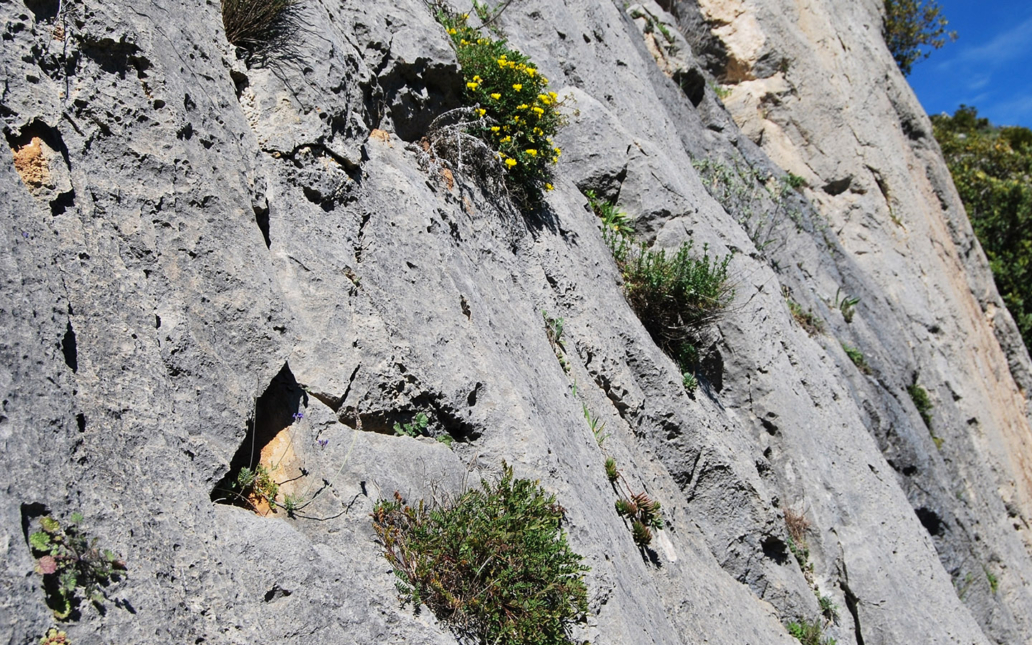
911,28
992,169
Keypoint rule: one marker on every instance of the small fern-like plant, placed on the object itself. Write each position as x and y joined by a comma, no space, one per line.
495,563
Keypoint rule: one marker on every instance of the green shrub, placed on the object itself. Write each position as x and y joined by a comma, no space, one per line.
809,633
69,561
518,116
674,295
259,24
991,168
911,25
494,564
922,402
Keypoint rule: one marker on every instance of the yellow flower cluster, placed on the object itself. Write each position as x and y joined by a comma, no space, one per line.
520,114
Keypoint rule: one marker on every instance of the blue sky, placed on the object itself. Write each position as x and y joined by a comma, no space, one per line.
989,66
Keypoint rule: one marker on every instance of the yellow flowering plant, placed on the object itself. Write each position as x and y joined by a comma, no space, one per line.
518,115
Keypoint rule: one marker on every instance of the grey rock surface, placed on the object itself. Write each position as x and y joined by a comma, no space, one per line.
207,255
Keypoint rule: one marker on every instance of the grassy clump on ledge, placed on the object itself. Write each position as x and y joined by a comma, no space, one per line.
518,116
494,563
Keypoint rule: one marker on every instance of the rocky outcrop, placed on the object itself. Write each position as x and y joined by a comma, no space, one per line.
210,254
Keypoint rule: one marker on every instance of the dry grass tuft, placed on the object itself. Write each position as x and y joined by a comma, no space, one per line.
797,525
259,24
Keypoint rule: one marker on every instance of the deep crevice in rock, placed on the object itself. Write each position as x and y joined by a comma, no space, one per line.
775,549
931,521
44,9
274,412
851,607
261,218
68,348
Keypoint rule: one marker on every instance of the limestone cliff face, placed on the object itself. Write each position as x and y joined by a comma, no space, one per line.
198,247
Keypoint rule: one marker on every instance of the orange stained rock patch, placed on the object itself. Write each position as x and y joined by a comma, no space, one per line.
381,135
448,177
284,466
31,164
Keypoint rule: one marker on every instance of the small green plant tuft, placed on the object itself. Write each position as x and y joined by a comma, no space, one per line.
922,402
857,357
554,332
643,514
611,472
69,561
828,608
689,382
806,318
494,564
257,486
518,115
417,427
994,582
641,534
809,633
420,427
614,221
794,181
596,426
721,91
846,305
